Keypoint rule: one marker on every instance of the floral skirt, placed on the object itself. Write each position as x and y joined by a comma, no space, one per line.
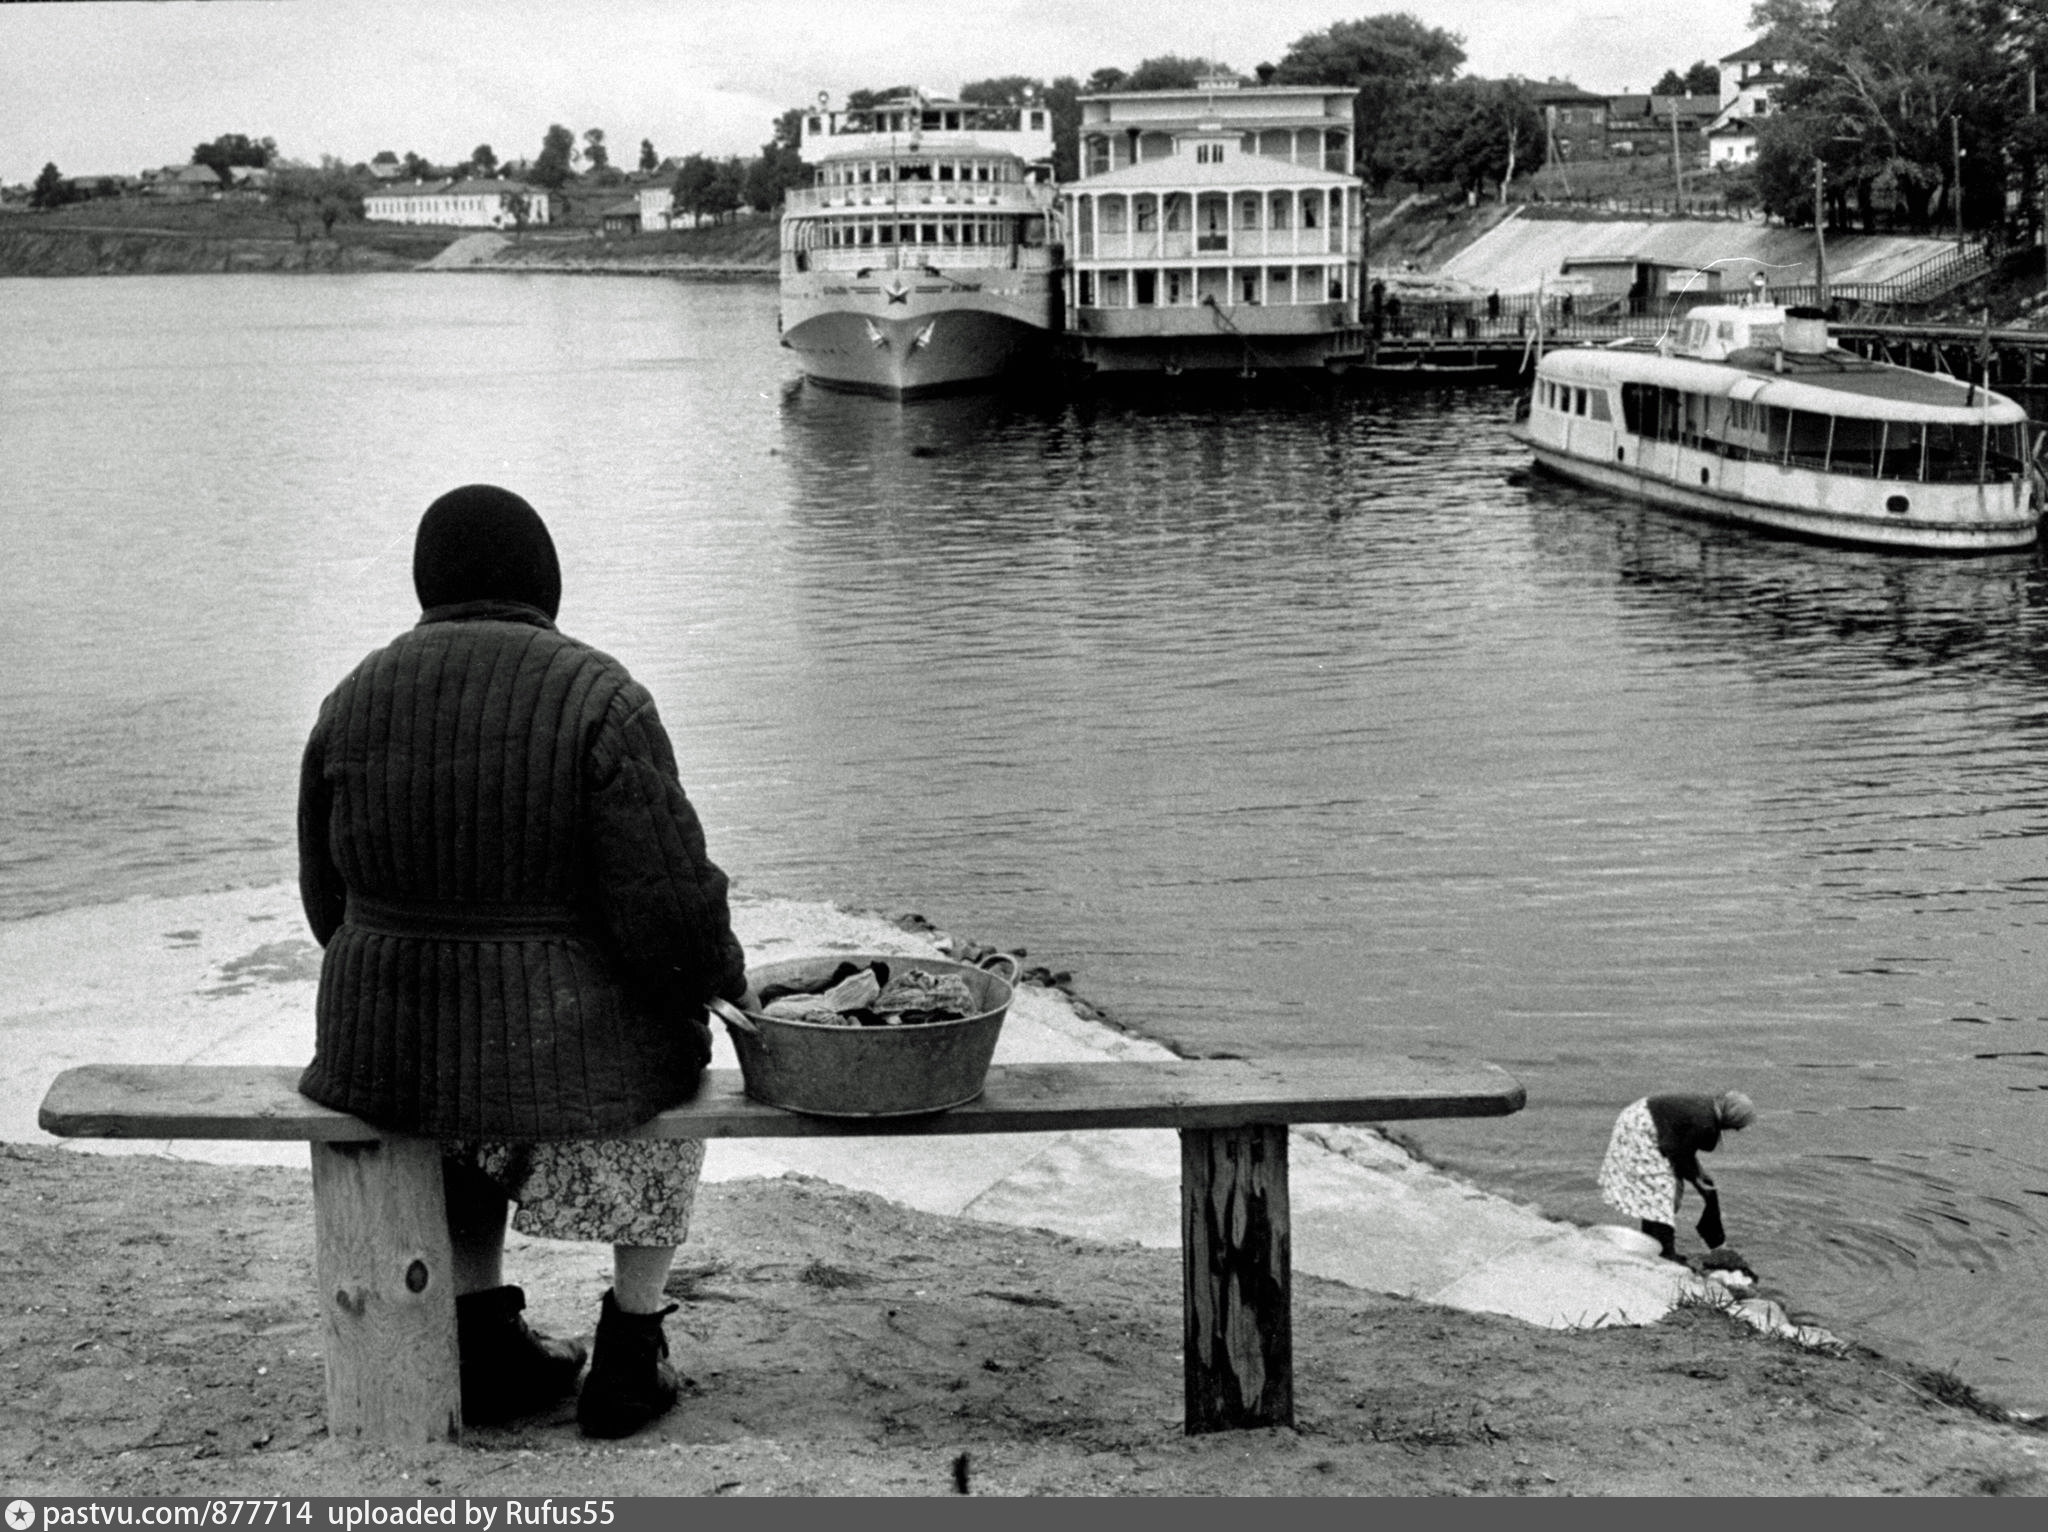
617,1191
1635,1178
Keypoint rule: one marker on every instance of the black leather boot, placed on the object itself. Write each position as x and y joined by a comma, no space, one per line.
630,1382
508,1368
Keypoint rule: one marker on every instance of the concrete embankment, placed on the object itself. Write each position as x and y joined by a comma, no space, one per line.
229,978
73,252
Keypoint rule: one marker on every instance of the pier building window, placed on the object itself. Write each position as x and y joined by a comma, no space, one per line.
1145,211
1212,285
1283,212
1311,216
1115,290
1248,285
1145,288
1213,221
1280,284
1087,295
1098,155
1248,211
1307,283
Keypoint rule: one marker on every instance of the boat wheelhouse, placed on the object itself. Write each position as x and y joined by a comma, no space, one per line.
1213,228
1749,413
921,258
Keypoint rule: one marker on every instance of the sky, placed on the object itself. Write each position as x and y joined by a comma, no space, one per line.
111,86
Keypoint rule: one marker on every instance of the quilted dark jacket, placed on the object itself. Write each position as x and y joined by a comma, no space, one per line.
521,922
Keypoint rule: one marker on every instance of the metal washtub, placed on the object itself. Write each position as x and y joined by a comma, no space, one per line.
891,1071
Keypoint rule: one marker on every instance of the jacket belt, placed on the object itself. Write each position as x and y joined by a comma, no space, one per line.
437,920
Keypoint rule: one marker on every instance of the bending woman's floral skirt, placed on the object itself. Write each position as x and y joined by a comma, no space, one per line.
616,1191
1635,1178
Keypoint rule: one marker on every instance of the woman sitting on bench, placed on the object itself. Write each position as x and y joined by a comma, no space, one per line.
522,929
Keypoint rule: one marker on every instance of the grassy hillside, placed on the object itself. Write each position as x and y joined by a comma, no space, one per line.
748,241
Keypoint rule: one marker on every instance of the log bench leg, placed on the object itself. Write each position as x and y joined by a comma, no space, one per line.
386,1284
1237,1281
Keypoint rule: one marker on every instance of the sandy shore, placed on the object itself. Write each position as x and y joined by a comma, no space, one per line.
888,1317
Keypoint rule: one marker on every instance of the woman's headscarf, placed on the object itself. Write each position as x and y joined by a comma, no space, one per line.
483,543
1734,1110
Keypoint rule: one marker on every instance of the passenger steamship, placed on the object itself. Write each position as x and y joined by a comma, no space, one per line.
1749,413
921,259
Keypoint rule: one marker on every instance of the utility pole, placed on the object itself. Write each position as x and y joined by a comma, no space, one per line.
1820,236
2033,106
1677,171
1955,140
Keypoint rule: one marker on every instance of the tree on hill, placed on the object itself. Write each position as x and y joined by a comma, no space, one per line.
383,157
1882,93
1004,90
649,160
50,189
483,160
232,149
551,168
1393,61
302,193
1171,72
595,155
708,188
419,168
778,167
1061,99
1104,80
864,100
1702,79
1475,134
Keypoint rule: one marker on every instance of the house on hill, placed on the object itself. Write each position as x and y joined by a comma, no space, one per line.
189,181
1642,125
1574,121
1748,78
473,204
620,217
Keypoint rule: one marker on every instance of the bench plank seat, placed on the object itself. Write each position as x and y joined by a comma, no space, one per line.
234,1101
385,1273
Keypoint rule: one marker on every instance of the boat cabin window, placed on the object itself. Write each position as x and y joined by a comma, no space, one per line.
1841,444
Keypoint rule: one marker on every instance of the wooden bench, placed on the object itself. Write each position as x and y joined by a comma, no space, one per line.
381,1255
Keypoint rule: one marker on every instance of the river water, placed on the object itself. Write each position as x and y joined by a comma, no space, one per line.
1293,719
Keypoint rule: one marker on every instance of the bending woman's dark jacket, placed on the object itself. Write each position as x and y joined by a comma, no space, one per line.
1687,1126
521,921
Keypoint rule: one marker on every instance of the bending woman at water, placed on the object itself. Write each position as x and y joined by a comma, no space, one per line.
1655,1150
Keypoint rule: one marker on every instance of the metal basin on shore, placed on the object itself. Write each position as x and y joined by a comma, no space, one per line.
856,1071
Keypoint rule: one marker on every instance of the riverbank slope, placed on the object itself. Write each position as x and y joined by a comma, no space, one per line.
844,1331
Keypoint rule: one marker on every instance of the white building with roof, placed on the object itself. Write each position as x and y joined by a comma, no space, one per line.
1214,227
471,204
1748,78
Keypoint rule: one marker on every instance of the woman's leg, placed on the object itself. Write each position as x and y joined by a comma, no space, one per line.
1665,1236
639,1275
476,1226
